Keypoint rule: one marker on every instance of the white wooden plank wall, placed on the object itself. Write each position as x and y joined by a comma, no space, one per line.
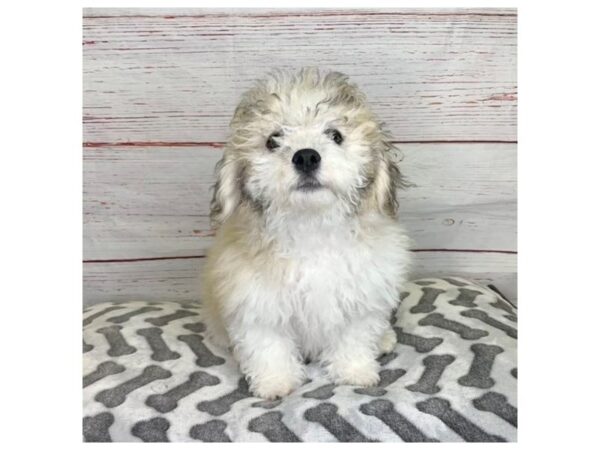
160,87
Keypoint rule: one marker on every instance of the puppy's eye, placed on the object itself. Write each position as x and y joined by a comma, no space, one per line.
335,135
272,143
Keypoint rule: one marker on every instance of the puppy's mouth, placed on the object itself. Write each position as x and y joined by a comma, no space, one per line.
308,185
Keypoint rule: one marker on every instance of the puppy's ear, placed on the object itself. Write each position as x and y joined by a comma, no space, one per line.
226,191
388,180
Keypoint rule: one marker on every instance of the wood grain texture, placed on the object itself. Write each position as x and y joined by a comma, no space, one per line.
176,13
176,76
177,279
154,201
160,86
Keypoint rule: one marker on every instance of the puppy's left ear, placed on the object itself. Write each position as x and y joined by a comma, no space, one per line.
388,179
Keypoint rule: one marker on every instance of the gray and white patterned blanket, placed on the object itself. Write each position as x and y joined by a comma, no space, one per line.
149,375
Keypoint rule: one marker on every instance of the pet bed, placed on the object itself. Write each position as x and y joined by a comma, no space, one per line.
151,376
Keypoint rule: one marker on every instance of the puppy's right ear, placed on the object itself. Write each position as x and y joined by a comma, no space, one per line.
226,191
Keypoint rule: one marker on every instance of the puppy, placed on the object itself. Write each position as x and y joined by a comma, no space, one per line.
308,258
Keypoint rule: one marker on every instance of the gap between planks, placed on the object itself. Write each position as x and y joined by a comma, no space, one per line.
163,258
222,144
317,13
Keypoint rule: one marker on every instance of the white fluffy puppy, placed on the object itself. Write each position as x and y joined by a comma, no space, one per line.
308,258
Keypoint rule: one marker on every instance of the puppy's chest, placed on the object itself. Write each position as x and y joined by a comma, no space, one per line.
331,274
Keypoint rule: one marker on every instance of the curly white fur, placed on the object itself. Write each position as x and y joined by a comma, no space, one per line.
298,273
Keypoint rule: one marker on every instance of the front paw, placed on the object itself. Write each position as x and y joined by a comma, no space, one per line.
357,374
271,388
388,341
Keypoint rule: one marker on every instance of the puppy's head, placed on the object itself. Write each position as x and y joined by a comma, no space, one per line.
305,141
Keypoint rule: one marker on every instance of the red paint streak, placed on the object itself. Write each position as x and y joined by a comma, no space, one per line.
502,97
153,144
158,258
222,144
163,258
462,250
124,49
450,141
316,14
93,118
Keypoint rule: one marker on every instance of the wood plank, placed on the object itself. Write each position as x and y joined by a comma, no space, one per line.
174,13
153,201
177,279
491,227
430,75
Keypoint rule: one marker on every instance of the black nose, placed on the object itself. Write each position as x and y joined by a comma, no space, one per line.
306,160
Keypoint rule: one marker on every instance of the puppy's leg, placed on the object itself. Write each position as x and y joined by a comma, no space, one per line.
388,341
351,355
215,330
270,360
